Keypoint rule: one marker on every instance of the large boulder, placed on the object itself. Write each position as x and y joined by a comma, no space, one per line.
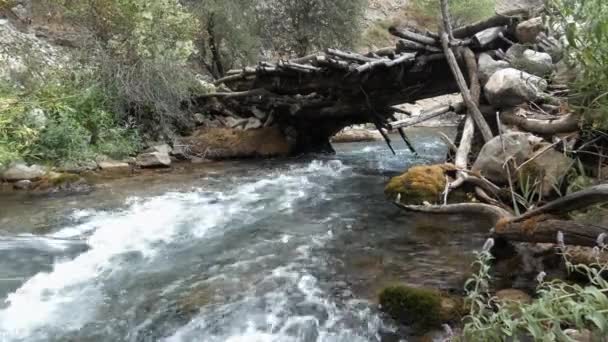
153,159
527,31
160,148
548,169
530,61
517,146
21,171
423,183
488,66
225,143
511,87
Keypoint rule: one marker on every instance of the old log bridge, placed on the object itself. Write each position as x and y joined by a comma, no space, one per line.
313,97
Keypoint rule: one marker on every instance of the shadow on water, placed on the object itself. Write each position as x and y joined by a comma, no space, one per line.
275,250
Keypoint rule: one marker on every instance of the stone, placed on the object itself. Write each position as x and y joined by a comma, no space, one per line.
232,122
527,31
423,183
77,167
488,66
23,185
513,296
253,123
259,114
63,183
162,148
549,168
36,118
225,143
564,73
530,61
511,87
113,165
153,159
511,8
21,171
356,135
491,158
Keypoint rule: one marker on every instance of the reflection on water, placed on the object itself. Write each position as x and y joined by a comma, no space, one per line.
279,250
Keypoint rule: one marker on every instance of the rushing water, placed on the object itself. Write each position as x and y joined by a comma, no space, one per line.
284,250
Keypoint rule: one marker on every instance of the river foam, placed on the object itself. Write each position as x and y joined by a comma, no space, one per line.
71,295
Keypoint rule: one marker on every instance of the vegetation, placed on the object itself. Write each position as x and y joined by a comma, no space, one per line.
559,305
298,27
412,305
585,27
462,11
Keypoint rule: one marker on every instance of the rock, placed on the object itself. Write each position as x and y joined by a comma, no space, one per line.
356,135
549,168
513,296
20,171
511,8
259,114
530,61
511,87
162,148
491,158
36,118
224,143
113,165
488,66
77,167
580,335
419,184
23,185
64,183
564,73
253,123
421,308
232,122
527,31
153,159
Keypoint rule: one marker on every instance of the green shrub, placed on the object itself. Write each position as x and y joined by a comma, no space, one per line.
462,11
559,305
585,26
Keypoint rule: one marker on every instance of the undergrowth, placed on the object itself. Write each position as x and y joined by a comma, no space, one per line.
559,309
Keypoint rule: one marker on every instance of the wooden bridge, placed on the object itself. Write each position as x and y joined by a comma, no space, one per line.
314,97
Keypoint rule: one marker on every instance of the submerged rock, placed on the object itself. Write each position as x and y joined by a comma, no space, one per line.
424,309
21,171
64,183
419,184
224,143
511,87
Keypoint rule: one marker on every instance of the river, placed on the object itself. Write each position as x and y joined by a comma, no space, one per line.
253,251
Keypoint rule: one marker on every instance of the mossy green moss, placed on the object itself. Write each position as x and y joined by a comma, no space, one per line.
423,309
419,184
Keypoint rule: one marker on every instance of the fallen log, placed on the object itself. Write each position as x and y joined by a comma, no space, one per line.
404,45
428,115
412,36
472,29
565,124
350,56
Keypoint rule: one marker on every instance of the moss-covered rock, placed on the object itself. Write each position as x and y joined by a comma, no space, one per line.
419,184
423,309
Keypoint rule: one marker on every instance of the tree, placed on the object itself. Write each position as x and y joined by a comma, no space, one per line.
228,34
297,27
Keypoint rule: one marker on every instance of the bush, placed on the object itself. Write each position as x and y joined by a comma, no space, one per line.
297,27
73,121
462,12
585,26
560,306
